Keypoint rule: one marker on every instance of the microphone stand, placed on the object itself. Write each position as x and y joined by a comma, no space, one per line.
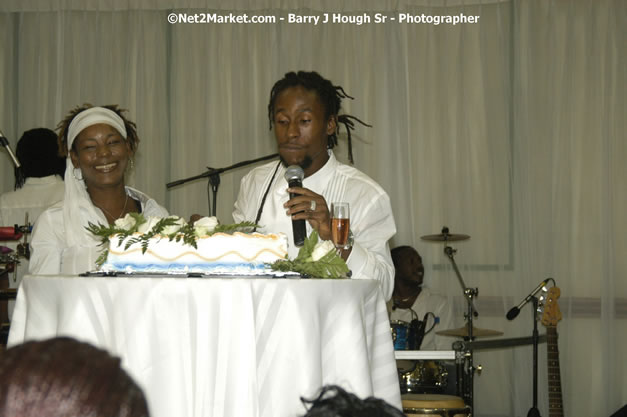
533,411
214,178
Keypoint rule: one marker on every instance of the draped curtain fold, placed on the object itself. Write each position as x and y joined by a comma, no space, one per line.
510,130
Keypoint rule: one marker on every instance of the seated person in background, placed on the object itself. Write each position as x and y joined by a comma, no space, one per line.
38,182
62,377
303,112
99,143
334,401
38,185
411,300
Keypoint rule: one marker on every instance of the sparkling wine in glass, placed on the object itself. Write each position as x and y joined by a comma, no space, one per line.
340,224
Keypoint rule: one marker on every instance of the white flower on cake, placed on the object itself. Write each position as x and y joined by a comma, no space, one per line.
127,222
322,248
205,226
178,223
148,224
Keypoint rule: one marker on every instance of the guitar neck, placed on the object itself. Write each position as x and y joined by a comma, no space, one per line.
553,363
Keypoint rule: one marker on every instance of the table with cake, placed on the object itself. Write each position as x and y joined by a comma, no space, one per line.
213,328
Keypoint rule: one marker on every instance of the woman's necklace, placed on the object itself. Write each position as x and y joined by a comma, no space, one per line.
123,210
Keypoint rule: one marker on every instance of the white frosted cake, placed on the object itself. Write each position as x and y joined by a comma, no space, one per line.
220,253
135,245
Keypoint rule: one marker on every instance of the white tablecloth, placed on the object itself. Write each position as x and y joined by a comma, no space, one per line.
222,347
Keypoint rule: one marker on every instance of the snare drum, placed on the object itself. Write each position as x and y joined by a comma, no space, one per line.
400,334
416,405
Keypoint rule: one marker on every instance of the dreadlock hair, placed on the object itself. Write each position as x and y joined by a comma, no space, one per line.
62,377
64,126
330,96
334,401
38,153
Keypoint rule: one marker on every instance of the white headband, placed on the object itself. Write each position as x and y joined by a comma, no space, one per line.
93,116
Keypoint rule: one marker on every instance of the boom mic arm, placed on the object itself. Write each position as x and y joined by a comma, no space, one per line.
511,314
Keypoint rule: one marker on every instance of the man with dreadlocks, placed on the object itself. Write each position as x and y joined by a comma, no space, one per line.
38,185
304,112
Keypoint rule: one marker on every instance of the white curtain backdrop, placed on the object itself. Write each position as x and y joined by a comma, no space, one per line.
510,130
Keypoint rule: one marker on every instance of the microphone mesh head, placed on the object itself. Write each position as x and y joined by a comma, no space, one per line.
512,313
294,172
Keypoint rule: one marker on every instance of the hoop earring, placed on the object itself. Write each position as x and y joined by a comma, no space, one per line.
75,176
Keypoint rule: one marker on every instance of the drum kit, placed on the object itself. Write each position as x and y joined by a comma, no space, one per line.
425,384
9,261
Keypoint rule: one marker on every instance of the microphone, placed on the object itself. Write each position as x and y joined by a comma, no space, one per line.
5,142
294,177
511,314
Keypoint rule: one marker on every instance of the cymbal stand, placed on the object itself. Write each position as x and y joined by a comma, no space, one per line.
464,357
469,293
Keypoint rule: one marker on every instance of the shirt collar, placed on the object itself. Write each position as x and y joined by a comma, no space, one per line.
50,179
318,181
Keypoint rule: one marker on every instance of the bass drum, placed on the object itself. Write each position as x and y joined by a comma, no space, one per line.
418,405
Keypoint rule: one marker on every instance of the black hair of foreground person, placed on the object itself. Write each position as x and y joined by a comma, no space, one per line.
334,401
63,377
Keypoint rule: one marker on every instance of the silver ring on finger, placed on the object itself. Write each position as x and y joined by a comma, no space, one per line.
312,207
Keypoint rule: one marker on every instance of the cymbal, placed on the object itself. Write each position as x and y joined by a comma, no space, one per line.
463,332
502,343
445,237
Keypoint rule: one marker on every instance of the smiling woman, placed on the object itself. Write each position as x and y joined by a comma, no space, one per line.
99,143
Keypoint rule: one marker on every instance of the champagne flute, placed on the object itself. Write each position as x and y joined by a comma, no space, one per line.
340,224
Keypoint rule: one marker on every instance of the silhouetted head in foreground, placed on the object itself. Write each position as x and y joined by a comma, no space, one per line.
334,401
62,377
